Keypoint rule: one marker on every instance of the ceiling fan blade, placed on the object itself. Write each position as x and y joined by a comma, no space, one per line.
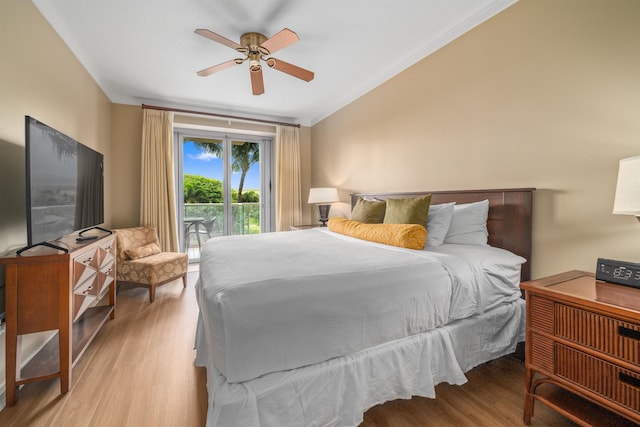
218,38
208,71
257,83
280,40
291,69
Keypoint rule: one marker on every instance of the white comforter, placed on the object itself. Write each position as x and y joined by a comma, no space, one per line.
278,301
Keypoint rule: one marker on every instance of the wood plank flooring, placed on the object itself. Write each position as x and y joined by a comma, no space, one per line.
139,371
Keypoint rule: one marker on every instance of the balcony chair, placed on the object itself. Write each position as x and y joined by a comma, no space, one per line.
141,262
204,228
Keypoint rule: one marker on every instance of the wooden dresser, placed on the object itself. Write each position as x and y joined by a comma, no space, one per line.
47,289
582,355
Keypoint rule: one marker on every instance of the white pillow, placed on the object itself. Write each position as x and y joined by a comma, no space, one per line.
469,224
438,222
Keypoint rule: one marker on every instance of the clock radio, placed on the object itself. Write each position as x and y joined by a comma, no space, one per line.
618,272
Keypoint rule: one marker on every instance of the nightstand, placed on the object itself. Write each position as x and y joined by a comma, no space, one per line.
306,227
582,354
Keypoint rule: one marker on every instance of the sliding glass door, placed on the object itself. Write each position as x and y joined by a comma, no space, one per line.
223,187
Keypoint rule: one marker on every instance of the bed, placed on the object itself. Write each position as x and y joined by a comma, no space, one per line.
312,328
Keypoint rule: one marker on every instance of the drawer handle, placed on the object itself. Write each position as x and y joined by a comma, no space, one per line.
629,333
628,379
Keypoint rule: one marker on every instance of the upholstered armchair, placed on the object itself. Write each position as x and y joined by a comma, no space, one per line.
141,262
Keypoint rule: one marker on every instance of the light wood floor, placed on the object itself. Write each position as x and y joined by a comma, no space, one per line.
139,371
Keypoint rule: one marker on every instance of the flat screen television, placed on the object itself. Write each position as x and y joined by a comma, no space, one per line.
65,184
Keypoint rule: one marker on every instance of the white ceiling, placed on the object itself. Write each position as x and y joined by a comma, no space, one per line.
145,51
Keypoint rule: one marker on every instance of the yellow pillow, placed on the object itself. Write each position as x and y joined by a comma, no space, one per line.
410,236
143,251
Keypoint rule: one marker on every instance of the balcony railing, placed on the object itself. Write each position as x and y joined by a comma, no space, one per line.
245,219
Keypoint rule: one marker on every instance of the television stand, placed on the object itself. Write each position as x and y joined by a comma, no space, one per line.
106,230
73,293
47,244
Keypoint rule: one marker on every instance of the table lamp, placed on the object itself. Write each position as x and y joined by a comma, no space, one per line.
627,200
323,197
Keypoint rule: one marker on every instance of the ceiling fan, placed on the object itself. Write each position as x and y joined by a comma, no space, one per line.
256,47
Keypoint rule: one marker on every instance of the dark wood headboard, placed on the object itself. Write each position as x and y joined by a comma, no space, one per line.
510,215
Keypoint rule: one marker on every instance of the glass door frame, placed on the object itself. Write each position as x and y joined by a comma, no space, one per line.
267,193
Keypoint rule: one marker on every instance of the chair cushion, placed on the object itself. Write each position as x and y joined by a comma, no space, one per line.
153,269
134,237
143,251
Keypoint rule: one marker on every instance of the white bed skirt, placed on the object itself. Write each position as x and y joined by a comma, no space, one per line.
338,392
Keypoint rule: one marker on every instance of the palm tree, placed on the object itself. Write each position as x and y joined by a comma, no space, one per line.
244,155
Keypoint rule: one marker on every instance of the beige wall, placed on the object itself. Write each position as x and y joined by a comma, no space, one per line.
40,77
545,94
126,130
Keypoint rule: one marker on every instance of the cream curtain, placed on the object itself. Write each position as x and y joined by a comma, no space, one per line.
157,201
288,187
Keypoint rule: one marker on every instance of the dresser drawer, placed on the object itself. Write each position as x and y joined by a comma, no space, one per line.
109,245
604,334
85,266
541,313
89,270
542,354
608,380
87,257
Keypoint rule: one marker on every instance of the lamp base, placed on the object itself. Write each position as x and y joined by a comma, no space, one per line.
323,214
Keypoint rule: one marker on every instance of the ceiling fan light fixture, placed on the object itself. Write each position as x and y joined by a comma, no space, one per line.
254,61
256,48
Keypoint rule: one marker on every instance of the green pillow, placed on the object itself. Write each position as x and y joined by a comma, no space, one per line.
407,211
368,211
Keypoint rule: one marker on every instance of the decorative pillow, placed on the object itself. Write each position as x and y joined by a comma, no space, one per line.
143,251
469,224
407,211
410,236
438,223
369,211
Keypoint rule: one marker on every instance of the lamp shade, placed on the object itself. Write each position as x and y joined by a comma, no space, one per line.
627,201
323,195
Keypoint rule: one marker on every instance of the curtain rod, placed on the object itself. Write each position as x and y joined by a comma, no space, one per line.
223,116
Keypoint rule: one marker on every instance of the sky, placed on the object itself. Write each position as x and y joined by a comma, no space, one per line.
199,162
